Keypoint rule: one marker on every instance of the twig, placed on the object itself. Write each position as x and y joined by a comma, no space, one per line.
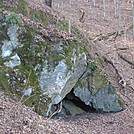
57,111
120,112
27,98
25,86
123,110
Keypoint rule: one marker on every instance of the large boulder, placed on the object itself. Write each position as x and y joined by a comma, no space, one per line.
45,68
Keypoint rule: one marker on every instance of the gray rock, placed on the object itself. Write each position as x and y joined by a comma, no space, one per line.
84,94
14,61
105,99
52,83
72,108
79,69
6,48
12,33
28,92
9,45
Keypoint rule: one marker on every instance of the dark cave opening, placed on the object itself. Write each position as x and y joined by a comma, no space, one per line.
77,102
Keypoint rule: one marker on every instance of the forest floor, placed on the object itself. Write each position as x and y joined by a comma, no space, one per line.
118,54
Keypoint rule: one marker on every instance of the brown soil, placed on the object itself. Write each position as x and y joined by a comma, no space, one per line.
16,118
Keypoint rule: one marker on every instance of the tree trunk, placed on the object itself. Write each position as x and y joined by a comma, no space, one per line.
115,8
119,15
133,17
94,3
48,3
104,5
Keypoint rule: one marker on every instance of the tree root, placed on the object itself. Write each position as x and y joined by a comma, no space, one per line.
106,36
124,48
122,81
101,36
125,59
56,112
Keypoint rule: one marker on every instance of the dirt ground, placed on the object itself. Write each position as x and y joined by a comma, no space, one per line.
16,118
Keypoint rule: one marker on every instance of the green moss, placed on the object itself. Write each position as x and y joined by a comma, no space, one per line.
99,62
63,25
1,4
70,49
31,52
3,80
37,16
27,35
79,35
40,16
69,63
6,81
29,75
22,7
57,57
13,19
92,66
3,33
17,76
57,40
98,80
76,32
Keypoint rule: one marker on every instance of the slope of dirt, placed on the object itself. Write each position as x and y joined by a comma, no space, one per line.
16,118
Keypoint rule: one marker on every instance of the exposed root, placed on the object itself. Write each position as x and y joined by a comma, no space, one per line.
122,81
124,48
111,36
56,112
125,59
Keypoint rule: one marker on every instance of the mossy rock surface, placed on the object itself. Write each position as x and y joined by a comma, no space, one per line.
40,69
